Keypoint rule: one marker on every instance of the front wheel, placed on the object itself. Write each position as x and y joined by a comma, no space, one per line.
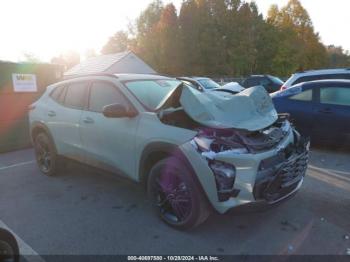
176,195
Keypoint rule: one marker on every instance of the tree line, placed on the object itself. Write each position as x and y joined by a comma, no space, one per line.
226,38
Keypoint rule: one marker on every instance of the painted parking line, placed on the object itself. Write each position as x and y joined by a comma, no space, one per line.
335,173
16,165
24,249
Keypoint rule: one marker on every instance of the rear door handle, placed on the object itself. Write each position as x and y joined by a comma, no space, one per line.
325,111
88,120
51,113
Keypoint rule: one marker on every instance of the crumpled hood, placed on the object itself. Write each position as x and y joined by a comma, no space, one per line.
252,109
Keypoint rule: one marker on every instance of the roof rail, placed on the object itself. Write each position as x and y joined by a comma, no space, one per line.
66,77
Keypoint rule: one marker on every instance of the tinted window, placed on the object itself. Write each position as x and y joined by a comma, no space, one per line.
276,80
208,83
303,96
75,95
103,94
252,82
151,92
264,82
321,77
58,93
335,96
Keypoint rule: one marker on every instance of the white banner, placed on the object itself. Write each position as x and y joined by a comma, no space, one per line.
24,83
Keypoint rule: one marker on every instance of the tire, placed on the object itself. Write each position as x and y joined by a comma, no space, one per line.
176,195
45,154
9,250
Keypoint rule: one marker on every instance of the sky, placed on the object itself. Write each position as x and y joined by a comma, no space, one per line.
47,28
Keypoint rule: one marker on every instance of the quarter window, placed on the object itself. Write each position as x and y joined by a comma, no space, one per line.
58,93
335,96
103,94
303,96
75,95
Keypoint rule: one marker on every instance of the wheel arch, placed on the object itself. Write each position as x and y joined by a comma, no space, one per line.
155,152
37,128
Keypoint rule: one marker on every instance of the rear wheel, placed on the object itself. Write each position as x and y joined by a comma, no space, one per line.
176,195
45,154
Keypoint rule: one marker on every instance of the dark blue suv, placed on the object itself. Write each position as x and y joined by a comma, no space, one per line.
320,109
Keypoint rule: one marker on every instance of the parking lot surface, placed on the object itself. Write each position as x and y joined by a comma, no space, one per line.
84,212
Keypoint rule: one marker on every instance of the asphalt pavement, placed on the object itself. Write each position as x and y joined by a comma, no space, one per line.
88,212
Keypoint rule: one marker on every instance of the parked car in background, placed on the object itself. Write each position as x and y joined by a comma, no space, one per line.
194,151
320,109
232,87
202,84
271,83
313,75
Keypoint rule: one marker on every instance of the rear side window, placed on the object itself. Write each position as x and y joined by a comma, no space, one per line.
254,81
335,96
321,77
103,94
75,95
303,96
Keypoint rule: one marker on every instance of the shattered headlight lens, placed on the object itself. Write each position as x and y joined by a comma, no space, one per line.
225,175
208,147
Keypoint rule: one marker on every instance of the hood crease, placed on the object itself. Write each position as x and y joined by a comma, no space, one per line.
251,109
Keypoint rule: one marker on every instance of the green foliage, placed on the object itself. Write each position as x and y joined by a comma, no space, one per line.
117,43
227,37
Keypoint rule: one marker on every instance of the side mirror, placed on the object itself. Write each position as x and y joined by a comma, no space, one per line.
118,111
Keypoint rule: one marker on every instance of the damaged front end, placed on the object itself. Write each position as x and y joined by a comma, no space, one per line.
215,143
282,174
253,153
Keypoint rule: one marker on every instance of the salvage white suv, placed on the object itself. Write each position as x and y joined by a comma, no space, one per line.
193,150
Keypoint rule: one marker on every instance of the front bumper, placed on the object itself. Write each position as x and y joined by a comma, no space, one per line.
281,175
267,177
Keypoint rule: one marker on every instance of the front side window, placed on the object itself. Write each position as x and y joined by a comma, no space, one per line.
151,92
264,82
303,96
103,94
75,95
335,96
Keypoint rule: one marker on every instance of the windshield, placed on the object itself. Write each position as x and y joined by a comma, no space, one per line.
276,80
151,92
207,83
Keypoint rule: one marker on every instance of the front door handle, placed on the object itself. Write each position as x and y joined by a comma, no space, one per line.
88,120
51,113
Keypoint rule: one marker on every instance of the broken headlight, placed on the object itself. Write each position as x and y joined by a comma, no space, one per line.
210,146
225,175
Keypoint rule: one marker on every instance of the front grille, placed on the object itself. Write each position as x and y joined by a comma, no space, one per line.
280,175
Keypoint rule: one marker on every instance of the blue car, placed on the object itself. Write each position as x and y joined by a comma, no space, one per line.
319,109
